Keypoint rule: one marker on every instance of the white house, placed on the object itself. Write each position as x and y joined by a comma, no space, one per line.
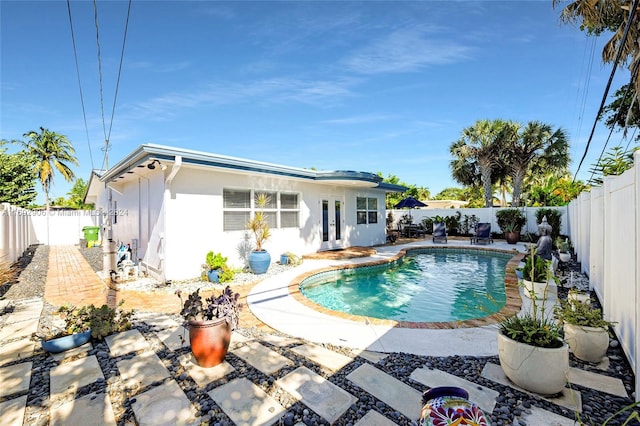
174,205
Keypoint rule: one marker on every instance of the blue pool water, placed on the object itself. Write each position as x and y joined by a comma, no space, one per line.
429,285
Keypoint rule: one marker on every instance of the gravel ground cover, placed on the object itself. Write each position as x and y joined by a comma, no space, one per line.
597,406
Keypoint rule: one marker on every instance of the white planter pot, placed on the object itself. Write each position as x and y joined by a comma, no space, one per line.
535,289
540,370
580,297
587,343
564,256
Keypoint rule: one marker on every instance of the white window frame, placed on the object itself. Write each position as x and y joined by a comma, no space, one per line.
273,213
369,211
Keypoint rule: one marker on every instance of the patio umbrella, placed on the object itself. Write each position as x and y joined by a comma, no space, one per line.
410,203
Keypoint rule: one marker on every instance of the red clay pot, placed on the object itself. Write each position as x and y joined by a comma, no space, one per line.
209,341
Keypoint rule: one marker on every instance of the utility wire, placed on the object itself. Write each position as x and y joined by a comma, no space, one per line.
615,120
105,160
115,98
632,14
75,55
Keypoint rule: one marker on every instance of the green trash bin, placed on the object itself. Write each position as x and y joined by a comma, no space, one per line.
91,234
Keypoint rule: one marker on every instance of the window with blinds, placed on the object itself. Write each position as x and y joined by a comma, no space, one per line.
366,210
282,210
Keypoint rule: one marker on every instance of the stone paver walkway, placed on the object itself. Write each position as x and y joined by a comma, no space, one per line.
143,376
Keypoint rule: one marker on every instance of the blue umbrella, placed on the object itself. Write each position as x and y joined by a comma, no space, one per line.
410,203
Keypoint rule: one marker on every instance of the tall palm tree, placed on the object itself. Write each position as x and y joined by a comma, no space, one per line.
602,15
476,154
52,152
536,147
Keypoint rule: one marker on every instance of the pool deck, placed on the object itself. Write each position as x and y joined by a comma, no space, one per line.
273,302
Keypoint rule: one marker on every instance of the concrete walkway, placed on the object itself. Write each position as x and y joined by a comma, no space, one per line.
146,376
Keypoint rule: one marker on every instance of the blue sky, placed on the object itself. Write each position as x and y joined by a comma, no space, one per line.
367,86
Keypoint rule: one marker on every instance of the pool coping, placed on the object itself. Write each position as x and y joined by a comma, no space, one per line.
513,303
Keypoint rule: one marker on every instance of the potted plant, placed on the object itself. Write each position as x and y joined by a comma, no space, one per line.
210,323
215,265
260,259
86,322
531,351
289,258
579,296
563,249
511,221
585,330
535,276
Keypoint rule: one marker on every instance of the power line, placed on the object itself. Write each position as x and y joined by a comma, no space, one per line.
75,55
105,160
615,120
606,92
124,42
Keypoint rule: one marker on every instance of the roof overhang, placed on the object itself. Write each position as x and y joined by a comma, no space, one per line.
140,159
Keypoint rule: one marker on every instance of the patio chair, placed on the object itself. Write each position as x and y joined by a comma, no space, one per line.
483,234
439,232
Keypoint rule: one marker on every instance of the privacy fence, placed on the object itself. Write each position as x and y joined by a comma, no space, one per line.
19,228
605,231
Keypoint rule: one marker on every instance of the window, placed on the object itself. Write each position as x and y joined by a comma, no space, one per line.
282,210
289,211
366,210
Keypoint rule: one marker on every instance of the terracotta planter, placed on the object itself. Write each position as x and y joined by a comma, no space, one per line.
587,343
512,237
209,341
540,370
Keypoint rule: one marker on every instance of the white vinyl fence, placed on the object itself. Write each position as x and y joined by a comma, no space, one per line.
483,214
19,228
606,235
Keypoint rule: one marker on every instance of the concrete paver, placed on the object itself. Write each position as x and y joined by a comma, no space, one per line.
19,329
164,405
15,378
317,393
174,338
13,411
247,404
261,357
201,375
92,409
323,356
374,357
142,370
74,352
484,397
388,389
126,342
25,310
67,378
373,418
16,350
571,399
539,416
601,382
280,341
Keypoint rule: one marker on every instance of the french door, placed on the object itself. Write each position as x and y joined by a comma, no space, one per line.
332,213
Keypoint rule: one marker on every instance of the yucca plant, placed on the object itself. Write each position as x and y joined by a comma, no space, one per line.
259,224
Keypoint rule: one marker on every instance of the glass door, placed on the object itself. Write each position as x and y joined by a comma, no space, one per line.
332,222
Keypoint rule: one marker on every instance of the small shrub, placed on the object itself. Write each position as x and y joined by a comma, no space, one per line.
102,321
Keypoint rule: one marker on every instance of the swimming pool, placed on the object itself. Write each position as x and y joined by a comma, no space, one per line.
426,285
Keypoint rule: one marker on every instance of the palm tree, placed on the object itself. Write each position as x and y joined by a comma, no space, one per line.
536,147
609,15
476,155
52,152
